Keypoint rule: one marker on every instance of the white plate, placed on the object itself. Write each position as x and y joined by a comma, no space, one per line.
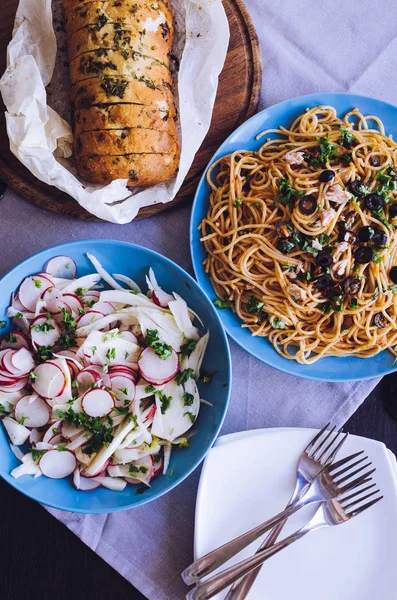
249,477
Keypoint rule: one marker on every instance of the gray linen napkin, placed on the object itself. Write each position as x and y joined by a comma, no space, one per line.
307,46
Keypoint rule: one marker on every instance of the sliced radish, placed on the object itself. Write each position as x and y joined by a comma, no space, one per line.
148,413
56,465
31,289
106,308
53,429
143,471
104,377
44,332
112,483
84,484
98,473
157,465
90,317
57,439
91,296
123,370
15,340
13,387
86,378
62,266
69,431
7,365
128,335
33,410
124,390
161,298
22,361
49,381
97,403
73,302
157,370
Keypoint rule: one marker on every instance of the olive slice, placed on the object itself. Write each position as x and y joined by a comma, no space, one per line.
374,202
380,320
308,205
365,233
393,274
324,259
379,238
375,160
326,175
393,210
364,255
358,188
323,282
351,285
334,293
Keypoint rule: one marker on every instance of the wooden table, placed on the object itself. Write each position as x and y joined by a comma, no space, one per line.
40,558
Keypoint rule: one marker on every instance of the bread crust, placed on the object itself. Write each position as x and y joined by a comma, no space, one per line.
125,141
123,63
140,169
117,116
124,38
153,17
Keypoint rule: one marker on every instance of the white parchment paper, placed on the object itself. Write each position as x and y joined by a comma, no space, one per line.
41,138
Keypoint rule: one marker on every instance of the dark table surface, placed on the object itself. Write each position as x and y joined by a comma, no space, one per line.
40,558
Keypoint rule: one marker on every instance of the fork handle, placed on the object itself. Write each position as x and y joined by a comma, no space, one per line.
240,589
211,561
212,586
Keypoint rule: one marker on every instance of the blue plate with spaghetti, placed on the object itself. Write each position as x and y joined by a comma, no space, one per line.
244,138
135,262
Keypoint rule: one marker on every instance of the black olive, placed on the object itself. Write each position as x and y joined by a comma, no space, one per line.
323,282
374,202
334,293
380,320
365,233
349,219
347,236
326,175
283,229
357,187
324,259
379,238
393,274
363,255
393,210
351,285
375,160
308,205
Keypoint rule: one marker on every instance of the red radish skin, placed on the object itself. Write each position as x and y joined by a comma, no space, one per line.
155,370
57,465
56,439
54,429
87,485
103,307
88,318
161,298
150,413
73,302
157,467
98,473
31,289
14,387
34,411
97,403
50,380
22,361
22,341
63,267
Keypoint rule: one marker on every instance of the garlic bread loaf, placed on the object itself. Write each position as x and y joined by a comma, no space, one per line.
122,103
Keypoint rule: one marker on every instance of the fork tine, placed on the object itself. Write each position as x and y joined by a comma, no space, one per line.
332,442
362,508
351,474
335,451
349,467
346,498
365,478
321,444
343,461
316,437
361,499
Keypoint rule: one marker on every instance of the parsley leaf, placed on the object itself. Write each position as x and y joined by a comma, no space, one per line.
165,402
183,376
325,153
191,416
347,136
287,194
3,324
188,347
254,306
222,304
161,348
188,399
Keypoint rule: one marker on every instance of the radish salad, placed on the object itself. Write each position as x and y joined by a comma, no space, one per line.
98,383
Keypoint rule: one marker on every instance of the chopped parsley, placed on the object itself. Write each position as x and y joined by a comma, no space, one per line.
325,153
149,389
347,137
102,432
277,323
387,182
2,409
3,324
188,399
254,306
353,303
287,194
184,376
43,353
37,454
18,315
43,327
165,402
22,420
62,449
111,354
121,410
207,377
381,216
393,288
222,304
161,348
188,347
191,416
237,202
32,376
133,470
37,283
10,337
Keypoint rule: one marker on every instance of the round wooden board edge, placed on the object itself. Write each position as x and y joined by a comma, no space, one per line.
42,198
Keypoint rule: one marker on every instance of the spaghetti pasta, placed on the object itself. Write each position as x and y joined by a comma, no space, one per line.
301,236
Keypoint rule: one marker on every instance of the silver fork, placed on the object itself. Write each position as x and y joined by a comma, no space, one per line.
312,461
327,485
332,512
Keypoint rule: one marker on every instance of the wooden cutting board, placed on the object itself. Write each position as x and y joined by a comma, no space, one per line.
237,100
